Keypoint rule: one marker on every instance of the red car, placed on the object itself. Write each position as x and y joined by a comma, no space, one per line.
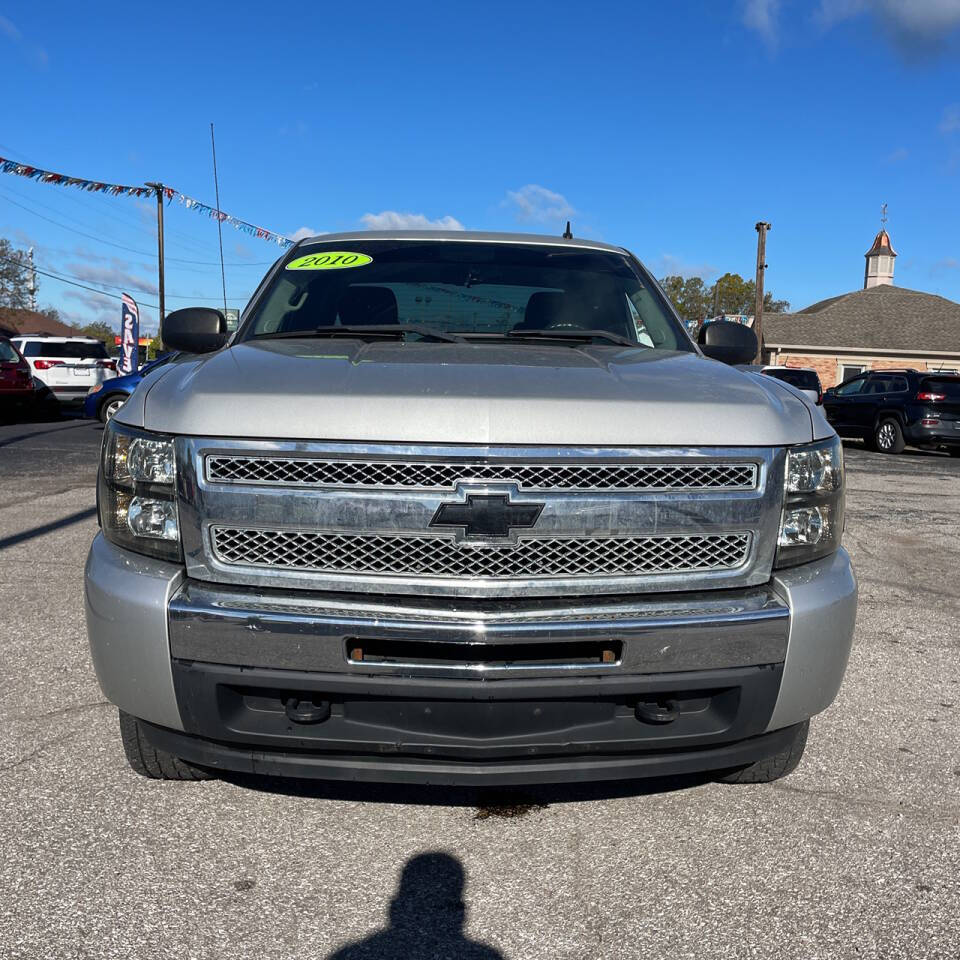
17,391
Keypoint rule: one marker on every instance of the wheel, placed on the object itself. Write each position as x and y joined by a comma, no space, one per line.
150,762
111,405
954,451
888,437
775,767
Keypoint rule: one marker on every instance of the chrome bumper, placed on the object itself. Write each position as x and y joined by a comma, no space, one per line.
142,613
290,630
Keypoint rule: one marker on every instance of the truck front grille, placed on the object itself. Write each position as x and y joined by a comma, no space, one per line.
430,474
444,557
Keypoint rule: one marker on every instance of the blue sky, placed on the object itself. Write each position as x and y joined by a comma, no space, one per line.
669,128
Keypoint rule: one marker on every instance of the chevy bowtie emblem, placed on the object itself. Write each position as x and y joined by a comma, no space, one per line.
486,516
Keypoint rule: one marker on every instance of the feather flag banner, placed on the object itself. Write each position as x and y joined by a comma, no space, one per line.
122,190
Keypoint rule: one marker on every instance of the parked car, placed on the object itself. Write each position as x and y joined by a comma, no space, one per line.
805,379
17,392
521,529
893,408
106,398
68,366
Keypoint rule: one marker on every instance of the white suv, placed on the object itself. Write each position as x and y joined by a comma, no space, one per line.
69,366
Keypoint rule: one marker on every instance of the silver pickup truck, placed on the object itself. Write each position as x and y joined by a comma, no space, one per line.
466,508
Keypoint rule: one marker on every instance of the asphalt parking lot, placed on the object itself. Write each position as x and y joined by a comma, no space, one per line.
854,855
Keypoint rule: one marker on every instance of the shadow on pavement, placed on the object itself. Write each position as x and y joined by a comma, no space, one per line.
7,441
861,447
427,917
67,521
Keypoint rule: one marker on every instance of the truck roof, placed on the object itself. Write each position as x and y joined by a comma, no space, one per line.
463,236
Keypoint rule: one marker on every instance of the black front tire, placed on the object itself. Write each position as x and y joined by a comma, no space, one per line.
109,406
773,768
150,762
954,451
888,436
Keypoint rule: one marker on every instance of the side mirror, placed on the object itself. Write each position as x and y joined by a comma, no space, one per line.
194,330
728,342
830,391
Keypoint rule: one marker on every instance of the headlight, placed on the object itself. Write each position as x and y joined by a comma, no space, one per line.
136,492
812,521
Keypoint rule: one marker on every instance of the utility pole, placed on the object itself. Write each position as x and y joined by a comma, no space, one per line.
761,228
158,187
32,280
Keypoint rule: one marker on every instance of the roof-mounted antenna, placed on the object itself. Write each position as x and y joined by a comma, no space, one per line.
567,235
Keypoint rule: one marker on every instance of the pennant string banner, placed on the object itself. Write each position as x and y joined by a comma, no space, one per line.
120,190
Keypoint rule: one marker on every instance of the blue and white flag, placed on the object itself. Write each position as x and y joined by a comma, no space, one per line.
129,335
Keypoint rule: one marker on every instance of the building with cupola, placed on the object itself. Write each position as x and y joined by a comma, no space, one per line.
880,327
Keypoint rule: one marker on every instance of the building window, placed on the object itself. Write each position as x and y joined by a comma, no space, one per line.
848,371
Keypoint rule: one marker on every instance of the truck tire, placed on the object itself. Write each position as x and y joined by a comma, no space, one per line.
150,762
888,436
773,768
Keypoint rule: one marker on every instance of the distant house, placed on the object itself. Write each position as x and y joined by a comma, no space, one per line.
13,322
877,328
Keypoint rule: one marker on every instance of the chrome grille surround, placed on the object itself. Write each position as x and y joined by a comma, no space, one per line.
433,474
726,535
444,557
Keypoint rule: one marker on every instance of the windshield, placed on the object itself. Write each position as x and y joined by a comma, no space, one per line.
949,387
472,289
801,379
69,349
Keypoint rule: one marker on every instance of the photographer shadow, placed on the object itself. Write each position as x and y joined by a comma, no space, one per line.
427,917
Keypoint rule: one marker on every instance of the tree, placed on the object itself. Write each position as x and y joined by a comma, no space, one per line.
732,294
689,296
14,278
102,331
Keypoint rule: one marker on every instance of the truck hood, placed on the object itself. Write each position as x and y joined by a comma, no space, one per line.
487,394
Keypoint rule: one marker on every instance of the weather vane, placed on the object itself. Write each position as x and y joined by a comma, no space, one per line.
883,216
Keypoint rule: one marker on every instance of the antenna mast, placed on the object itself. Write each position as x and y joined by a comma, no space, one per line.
216,189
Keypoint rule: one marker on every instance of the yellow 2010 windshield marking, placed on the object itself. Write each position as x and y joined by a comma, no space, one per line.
332,260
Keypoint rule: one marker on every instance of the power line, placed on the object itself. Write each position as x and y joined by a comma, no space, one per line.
74,283
77,281
120,246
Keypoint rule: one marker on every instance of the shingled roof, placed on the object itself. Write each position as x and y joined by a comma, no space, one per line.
879,318
29,321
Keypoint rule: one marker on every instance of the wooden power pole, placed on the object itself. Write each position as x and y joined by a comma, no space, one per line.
158,187
762,228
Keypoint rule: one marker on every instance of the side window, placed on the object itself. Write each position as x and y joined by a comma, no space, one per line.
848,371
642,335
852,388
898,385
877,385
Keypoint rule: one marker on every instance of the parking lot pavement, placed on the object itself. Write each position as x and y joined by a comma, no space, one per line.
855,855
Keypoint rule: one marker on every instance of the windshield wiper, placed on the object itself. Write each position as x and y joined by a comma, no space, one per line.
363,331
576,335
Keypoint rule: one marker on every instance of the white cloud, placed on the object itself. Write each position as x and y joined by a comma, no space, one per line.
36,54
950,123
914,27
667,265
113,276
762,16
302,233
9,30
536,204
392,220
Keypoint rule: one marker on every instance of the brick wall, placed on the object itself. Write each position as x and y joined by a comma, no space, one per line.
828,370
829,367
